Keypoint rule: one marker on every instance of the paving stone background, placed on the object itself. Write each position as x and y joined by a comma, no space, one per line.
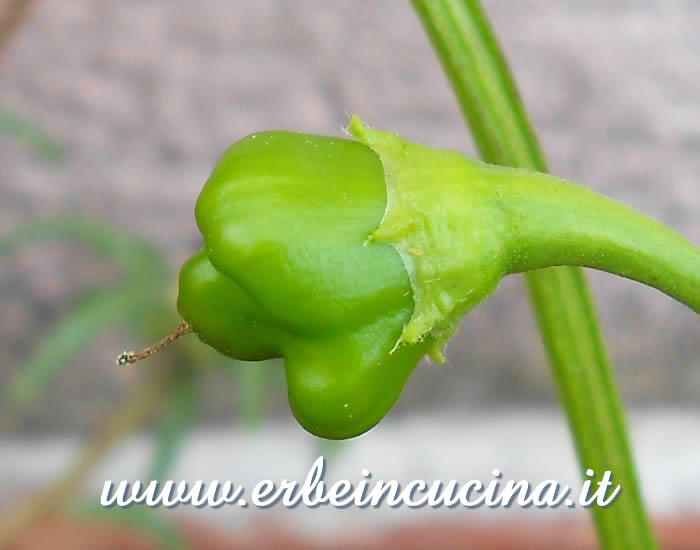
145,94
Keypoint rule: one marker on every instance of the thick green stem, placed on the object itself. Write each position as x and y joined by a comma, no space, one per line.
553,222
478,72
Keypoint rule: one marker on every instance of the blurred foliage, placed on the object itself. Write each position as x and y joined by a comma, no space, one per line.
178,416
26,132
140,302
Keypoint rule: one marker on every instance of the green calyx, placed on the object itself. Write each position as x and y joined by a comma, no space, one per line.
353,259
451,236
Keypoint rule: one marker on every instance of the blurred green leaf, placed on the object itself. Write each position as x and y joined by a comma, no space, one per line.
28,133
180,411
140,519
139,302
142,303
84,322
140,260
251,392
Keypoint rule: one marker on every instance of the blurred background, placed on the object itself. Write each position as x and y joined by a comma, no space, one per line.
112,115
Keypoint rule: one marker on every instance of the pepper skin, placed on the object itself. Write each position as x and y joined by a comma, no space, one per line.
287,272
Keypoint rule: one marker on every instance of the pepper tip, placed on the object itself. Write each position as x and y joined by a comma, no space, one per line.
125,358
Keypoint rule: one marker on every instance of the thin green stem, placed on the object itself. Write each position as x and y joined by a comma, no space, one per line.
477,70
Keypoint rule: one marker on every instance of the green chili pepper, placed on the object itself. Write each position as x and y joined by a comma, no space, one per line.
353,259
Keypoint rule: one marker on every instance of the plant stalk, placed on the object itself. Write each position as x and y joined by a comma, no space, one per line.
470,54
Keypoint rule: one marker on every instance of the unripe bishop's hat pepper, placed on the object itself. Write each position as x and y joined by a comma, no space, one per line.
352,259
